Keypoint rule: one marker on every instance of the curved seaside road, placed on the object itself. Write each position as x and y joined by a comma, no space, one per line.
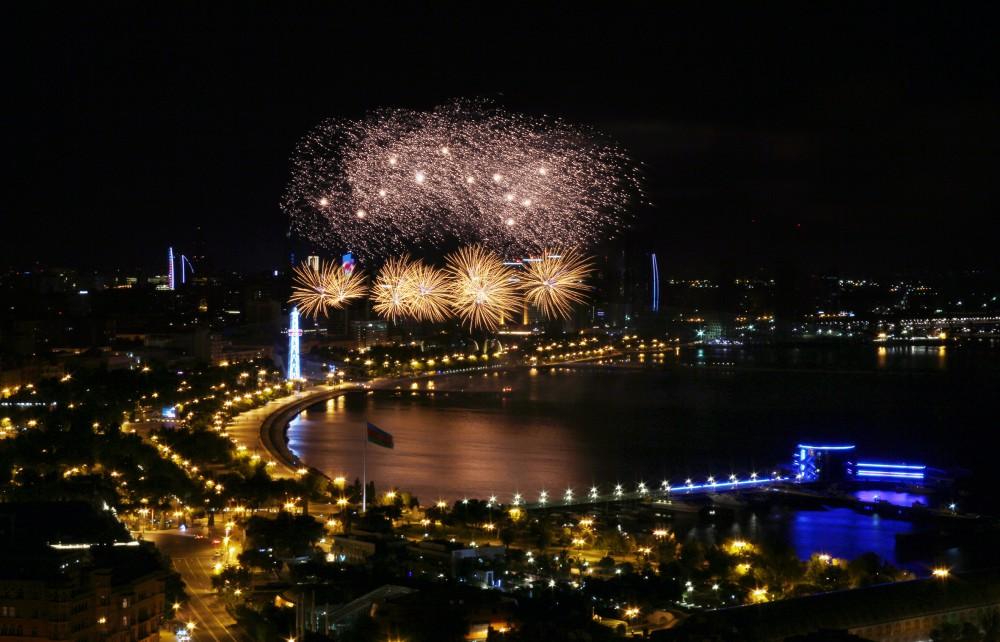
262,430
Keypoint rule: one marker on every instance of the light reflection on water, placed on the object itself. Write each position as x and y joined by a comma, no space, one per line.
842,532
687,415
839,532
891,497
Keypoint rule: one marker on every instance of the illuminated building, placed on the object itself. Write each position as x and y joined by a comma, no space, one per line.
171,284
313,262
829,463
655,307
185,262
894,612
815,462
71,572
874,471
294,334
370,333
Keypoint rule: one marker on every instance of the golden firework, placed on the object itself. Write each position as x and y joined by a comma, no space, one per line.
484,290
391,297
316,291
309,288
345,286
430,292
556,282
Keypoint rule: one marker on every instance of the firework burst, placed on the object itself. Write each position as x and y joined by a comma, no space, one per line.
309,291
346,286
557,281
484,290
316,291
391,293
466,171
430,293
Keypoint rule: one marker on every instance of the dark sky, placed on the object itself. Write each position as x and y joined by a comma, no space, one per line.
852,138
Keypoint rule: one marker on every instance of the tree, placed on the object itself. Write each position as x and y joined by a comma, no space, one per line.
286,535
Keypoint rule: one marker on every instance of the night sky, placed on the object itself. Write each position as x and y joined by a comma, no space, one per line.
847,141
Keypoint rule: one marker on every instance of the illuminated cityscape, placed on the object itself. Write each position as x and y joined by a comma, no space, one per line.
504,324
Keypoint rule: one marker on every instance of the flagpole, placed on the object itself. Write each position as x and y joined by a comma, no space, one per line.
364,468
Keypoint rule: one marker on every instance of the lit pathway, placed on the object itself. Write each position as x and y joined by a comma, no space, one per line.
192,558
245,428
663,493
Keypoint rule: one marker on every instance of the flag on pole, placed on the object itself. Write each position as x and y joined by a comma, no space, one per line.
379,437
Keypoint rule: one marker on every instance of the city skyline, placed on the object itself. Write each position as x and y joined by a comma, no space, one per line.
449,322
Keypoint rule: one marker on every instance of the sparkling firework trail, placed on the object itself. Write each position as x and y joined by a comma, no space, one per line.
484,289
391,295
556,282
467,172
315,292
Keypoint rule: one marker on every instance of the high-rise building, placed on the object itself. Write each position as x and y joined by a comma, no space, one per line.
171,284
70,572
370,333
294,334
313,261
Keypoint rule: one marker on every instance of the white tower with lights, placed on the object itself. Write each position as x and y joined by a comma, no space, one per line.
294,364
170,268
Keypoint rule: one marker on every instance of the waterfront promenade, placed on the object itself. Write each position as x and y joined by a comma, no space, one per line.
261,430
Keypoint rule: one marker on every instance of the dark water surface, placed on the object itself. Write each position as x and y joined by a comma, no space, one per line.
687,414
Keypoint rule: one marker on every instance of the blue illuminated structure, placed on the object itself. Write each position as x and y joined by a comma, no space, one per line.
836,463
656,284
873,471
821,462
185,261
170,268
294,364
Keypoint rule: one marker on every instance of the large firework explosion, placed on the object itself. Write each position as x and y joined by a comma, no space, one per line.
391,292
476,286
317,291
556,281
467,172
430,293
410,289
484,290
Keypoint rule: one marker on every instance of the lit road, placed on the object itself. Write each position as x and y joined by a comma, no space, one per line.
192,558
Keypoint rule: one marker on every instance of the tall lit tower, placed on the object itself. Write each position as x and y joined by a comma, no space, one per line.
656,285
185,260
294,365
170,268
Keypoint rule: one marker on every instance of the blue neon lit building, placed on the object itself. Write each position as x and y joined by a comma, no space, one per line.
655,307
877,471
822,462
171,283
838,462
